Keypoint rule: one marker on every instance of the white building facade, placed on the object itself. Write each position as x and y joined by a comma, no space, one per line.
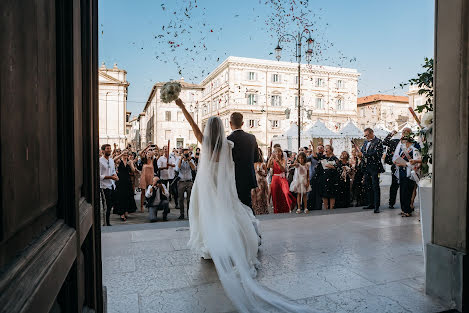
265,92
113,87
134,133
142,126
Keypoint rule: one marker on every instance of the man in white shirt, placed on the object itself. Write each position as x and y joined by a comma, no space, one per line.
157,199
185,167
108,176
173,184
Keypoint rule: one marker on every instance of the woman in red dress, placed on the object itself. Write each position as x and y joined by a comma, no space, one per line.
282,199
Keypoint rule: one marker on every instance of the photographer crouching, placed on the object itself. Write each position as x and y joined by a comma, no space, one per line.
185,167
157,199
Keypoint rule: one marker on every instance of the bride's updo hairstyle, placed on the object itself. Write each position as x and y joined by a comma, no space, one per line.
214,134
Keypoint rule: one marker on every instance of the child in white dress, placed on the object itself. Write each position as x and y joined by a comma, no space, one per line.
300,184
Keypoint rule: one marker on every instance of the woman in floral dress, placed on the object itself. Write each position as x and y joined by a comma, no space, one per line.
259,194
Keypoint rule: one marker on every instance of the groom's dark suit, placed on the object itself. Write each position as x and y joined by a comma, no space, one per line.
244,155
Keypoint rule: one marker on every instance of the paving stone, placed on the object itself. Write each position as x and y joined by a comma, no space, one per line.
351,262
390,297
202,272
151,247
180,243
166,259
322,304
156,278
159,234
418,283
341,278
380,270
204,298
298,285
118,264
122,303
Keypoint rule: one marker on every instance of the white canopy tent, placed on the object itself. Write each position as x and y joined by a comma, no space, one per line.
318,133
381,131
348,132
289,139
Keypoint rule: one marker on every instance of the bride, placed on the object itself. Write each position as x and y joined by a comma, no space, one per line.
224,229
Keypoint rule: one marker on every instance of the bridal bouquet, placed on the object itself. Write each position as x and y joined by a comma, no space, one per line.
170,92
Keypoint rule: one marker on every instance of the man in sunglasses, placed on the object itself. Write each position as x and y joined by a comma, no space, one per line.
108,176
371,153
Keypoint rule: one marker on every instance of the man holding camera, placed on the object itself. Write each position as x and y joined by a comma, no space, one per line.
185,167
157,199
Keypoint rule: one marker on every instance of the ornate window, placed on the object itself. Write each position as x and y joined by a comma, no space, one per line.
319,103
275,78
319,82
340,104
275,100
252,99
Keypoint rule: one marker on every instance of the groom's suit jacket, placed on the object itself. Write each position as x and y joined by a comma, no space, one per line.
244,155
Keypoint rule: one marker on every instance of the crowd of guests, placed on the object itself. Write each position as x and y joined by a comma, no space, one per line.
316,179
159,175
312,179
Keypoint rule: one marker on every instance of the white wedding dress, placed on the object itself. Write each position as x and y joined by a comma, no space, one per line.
225,230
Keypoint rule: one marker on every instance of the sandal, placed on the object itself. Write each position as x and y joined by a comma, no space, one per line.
123,218
306,211
298,211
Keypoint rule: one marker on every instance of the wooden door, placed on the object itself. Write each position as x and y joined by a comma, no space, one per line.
49,232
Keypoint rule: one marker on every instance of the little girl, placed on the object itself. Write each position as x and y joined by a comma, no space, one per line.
300,183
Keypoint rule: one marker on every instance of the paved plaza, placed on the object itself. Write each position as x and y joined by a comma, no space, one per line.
344,261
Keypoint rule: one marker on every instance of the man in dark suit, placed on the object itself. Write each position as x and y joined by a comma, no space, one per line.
245,153
391,145
372,152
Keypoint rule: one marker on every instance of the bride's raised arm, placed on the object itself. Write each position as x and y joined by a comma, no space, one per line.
198,134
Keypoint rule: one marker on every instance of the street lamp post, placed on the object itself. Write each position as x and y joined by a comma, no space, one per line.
309,52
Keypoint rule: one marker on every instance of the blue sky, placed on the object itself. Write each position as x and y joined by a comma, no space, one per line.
386,41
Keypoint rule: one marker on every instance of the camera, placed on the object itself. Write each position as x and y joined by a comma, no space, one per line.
186,155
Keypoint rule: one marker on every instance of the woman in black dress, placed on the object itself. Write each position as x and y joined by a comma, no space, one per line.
343,195
358,188
328,178
125,201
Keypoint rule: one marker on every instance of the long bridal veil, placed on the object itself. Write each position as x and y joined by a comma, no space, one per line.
222,227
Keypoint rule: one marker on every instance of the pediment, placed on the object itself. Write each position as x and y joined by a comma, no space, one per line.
108,79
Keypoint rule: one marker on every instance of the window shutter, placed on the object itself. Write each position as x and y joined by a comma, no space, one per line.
256,99
280,100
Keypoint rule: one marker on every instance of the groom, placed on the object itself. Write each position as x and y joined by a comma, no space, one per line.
245,153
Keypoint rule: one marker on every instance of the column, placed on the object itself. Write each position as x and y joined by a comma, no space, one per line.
447,261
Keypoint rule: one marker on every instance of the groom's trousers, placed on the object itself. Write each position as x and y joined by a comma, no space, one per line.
244,195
